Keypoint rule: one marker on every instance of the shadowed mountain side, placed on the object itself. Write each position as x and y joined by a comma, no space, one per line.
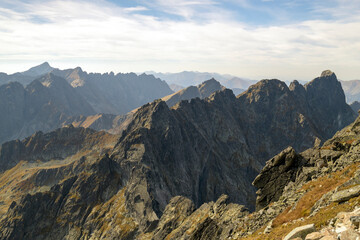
221,142
43,105
355,106
115,94
113,124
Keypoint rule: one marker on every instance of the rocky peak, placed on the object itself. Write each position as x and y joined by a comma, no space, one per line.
52,81
326,77
224,96
328,73
39,70
201,91
294,85
264,89
276,174
326,102
208,87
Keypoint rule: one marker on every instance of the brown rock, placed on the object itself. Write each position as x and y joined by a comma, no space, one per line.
301,232
346,194
314,236
349,234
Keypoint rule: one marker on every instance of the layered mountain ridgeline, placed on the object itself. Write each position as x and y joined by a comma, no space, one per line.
201,91
106,93
200,150
189,78
27,76
115,94
43,105
58,98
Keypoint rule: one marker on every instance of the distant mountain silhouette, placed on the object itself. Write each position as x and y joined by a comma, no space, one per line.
189,78
352,90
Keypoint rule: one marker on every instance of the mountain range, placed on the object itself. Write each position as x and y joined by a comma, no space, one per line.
106,93
178,81
44,98
158,178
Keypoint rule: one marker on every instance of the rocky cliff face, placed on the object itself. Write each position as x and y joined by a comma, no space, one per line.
199,149
58,144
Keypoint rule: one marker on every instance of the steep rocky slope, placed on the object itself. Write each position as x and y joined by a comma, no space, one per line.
199,149
314,194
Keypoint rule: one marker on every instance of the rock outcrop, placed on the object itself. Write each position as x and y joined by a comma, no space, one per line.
277,173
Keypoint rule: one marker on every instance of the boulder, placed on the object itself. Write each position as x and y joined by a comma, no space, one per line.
314,236
276,174
301,232
346,194
349,234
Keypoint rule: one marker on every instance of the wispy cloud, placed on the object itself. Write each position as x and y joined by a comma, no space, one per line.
101,36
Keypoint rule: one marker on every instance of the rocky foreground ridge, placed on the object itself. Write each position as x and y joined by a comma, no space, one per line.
165,176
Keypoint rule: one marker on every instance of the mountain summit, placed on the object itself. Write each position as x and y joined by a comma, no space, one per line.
201,91
39,70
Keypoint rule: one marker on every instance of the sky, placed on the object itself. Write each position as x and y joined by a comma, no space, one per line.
255,39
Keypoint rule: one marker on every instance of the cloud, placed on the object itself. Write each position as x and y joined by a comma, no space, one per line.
104,37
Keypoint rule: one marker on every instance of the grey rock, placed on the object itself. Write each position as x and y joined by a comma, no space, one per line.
346,194
276,174
355,220
300,232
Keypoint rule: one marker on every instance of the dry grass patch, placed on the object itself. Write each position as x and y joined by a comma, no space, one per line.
314,191
289,218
